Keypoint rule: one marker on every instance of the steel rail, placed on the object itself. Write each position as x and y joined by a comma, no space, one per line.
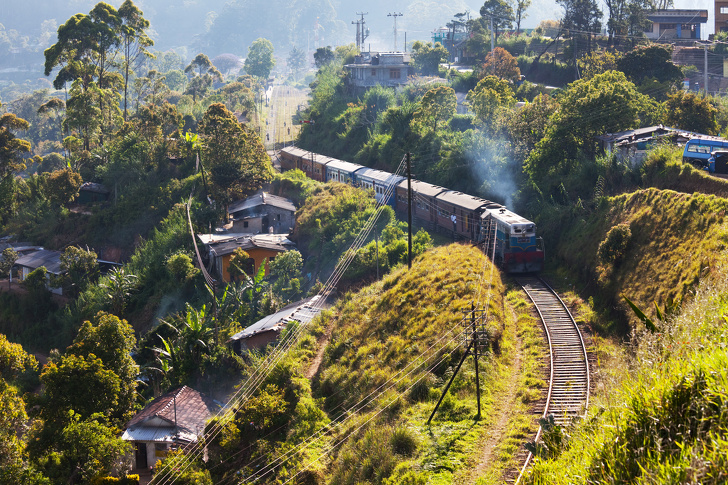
569,380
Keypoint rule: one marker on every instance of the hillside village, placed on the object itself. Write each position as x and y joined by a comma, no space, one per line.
291,262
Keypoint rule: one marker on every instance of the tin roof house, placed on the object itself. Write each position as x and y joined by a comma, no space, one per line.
389,69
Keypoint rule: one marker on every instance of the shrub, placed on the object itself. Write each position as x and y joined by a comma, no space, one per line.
612,249
404,441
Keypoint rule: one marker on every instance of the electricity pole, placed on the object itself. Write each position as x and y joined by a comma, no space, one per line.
395,15
363,32
358,36
409,211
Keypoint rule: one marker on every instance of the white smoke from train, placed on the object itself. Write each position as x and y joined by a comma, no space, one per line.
491,168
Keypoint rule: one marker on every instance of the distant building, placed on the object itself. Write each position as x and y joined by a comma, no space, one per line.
676,24
633,145
721,16
389,69
172,420
454,42
262,213
220,248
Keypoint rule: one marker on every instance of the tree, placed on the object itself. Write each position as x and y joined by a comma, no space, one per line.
647,64
81,384
54,108
7,260
286,272
692,112
297,61
488,97
597,62
526,126
119,286
260,58
240,264
133,39
226,62
427,57
112,340
521,6
81,268
323,56
203,74
500,63
501,13
12,148
233,154
583,17
437,105
62,186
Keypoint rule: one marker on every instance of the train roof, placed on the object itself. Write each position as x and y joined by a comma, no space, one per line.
502,214
462,200
379,175
422,188
708,138
295,151
342,165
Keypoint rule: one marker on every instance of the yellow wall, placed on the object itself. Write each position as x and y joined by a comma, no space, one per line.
258,255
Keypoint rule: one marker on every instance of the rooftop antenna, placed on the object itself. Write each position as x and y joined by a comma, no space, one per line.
395,15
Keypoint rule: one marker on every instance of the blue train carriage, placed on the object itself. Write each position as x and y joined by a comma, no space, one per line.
698,150
382,183
341,171
517,248
459,214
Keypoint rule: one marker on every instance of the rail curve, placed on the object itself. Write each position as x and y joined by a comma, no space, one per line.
569,380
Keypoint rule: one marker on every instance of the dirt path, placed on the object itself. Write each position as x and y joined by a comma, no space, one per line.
503,413
323,342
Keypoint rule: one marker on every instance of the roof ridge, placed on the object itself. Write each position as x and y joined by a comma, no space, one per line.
174,397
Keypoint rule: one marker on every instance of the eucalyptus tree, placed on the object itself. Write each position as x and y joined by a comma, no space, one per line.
133,40
260,60
203,74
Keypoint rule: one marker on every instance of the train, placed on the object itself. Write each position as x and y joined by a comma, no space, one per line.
509,239
698,150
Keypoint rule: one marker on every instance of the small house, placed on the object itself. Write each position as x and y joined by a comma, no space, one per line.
263,213
260,247
91,193
172,420
267,330
390,69
31,261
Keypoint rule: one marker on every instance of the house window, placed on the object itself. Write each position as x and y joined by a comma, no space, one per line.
724,10
394,74
374,72
245,223
667,26
278,217
648,28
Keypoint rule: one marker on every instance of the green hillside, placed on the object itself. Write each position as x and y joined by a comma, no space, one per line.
390,348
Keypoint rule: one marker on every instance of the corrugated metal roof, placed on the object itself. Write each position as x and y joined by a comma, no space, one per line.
342,165
45,257
302,312
379,175
261,199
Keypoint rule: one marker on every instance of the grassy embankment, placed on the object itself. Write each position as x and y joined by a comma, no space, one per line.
660,413
392,347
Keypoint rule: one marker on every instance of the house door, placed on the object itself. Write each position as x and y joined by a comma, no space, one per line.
265,224
141,455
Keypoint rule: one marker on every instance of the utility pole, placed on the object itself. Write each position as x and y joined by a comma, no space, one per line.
409,211
395,15
364,34
358,36
705,82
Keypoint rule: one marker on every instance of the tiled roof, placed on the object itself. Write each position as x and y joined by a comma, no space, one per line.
192,408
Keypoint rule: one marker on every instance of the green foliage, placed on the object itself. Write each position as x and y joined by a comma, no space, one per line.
181,268
612,249
437,105
12,148
488,97
692,112
62,186
260,61
285,270
323,56
81,269
653,62
427,57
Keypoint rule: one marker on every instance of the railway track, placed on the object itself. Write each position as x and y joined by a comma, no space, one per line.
568,393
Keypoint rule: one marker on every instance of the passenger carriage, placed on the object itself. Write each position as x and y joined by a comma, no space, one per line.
460,213
341,171
380,182
424,206
291,158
